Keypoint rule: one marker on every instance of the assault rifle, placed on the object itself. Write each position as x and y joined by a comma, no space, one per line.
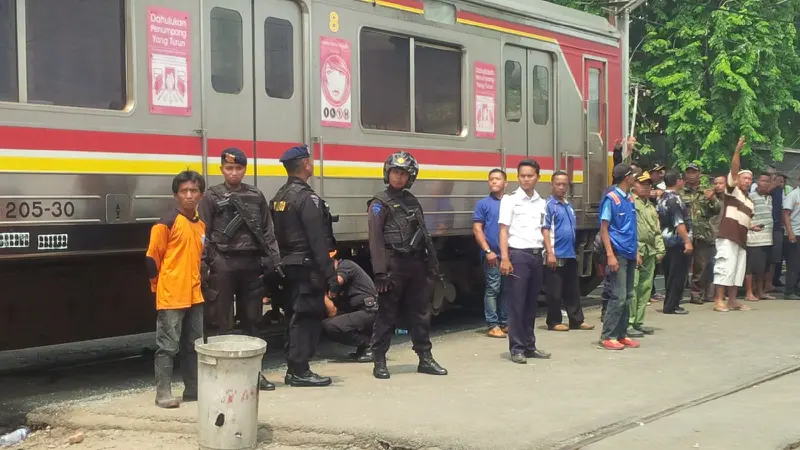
243,217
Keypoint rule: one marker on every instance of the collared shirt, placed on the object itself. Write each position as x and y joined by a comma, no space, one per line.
560,220
487,212
524,217
618,210
672,212
762,215
648,229
792,203
702,210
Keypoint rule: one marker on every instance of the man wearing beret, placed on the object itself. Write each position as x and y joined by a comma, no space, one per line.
234,259
304,229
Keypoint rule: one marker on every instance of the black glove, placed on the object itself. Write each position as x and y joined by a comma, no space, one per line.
383,282
434,275
333,286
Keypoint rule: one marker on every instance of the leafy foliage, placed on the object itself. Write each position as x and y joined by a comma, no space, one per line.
712,70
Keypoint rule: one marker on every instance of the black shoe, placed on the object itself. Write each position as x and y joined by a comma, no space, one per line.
362,354
189,396
429,365
679,311
538,354
380,370
644,329
264,384
519,358
306,379
634,333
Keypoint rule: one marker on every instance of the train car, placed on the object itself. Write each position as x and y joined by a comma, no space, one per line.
102,102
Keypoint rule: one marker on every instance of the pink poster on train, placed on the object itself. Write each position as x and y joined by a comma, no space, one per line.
335,79
168,54
485,100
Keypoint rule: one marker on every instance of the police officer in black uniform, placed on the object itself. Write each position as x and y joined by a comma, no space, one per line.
402,258
351,315
304,229
235,256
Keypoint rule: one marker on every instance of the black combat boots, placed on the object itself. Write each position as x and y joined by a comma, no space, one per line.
429,365
363,354
306,379
380,370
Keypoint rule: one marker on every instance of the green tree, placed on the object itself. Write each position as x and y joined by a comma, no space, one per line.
715,70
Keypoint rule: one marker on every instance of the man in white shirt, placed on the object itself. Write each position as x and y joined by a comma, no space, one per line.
521,218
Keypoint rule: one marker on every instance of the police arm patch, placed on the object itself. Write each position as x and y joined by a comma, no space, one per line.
376,208
315,199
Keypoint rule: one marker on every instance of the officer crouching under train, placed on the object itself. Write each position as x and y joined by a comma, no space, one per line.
240,245
351,314
402,258
304,229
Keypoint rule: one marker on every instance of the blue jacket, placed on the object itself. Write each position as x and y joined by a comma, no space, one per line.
622,227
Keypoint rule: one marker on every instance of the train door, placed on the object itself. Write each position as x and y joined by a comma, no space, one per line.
278,62
540,123
228,117
515,132
594,94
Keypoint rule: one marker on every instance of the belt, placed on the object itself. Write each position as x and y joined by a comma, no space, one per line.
531,251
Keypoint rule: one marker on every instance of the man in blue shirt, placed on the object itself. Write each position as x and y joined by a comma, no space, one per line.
486,229
618,232
561,274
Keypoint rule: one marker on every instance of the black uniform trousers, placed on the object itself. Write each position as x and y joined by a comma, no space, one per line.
521,292
562,286
676,270
410,294
234,276
305,312
350,328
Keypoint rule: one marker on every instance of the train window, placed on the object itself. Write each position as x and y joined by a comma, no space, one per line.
437,89
69,66
513,77
440,12
594,101
9,89
541,95
279,58
227,52
385,82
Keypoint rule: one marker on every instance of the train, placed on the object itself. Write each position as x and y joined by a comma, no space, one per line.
102,102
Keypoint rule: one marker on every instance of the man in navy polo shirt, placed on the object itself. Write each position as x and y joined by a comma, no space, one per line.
561,275
486,229
618,231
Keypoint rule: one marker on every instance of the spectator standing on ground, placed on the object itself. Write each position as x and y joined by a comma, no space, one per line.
731,244
561,274
776,252
791,221
619,236
676,229
656,191
486,230
759,242
703,205
719,183
651,251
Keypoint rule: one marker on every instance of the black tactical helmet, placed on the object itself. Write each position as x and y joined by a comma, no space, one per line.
401,160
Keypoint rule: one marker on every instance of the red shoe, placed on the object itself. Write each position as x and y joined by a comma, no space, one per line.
613,344
628,342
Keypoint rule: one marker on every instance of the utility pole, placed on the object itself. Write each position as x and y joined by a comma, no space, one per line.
624,27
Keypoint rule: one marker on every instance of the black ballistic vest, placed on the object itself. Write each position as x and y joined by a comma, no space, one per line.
286,215
402,230
240,239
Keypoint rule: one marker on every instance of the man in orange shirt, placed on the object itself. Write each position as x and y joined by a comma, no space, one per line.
173,264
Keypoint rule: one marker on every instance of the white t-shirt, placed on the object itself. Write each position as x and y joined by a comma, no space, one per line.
524,217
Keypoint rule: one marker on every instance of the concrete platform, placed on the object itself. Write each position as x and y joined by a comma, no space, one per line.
690,383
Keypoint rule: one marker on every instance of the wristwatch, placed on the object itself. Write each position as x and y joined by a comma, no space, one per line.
487,251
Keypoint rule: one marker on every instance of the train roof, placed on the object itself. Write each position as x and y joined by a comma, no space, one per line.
555,14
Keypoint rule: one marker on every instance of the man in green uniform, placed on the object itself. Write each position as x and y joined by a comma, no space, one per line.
703,205
651,249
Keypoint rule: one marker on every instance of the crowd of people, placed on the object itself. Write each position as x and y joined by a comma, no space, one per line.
712,240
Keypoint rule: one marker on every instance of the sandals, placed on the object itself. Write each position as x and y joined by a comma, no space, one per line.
739,308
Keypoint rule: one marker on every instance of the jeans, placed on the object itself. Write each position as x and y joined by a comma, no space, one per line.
620,285
494,305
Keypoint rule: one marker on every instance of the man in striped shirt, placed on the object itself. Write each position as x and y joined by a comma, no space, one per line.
759,243
731,242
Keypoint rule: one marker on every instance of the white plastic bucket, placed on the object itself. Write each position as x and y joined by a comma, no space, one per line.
227,391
